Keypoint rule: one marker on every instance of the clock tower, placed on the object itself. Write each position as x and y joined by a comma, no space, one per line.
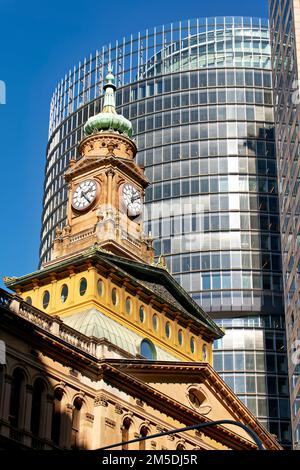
105,190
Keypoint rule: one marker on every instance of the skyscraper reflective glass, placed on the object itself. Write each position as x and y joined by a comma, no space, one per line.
199,96
285,16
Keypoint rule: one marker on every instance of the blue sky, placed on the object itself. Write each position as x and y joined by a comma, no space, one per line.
39,42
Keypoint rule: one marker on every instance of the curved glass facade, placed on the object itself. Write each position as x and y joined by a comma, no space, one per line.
285,55
199,96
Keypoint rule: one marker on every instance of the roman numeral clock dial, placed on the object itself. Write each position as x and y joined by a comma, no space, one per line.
132,200
84,195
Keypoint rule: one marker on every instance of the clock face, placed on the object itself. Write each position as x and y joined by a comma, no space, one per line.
132,200
84,195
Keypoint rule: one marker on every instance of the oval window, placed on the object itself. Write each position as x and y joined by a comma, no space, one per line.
180,337
82,286
155,322
204,352
148,350
28,300
192,344
100,287
142,314
168,330
114,296
64,293
128,305
46,299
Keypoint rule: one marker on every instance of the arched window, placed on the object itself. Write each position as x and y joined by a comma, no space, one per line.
56,416
37,408
148,350
17,397
143,433
125,432
180,447
76,422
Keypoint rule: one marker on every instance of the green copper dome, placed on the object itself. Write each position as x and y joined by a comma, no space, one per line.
108,119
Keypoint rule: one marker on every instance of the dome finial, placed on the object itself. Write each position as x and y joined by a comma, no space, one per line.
109,105
109,119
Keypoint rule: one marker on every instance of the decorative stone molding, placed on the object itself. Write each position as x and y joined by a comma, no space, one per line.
101,400
89,417
159,429
139,403
118,409
153,445
170,437
110,423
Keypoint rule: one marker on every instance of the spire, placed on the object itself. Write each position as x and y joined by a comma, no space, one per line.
109,120
109,105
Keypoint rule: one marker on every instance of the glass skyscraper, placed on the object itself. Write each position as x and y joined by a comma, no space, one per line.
285,16
199,96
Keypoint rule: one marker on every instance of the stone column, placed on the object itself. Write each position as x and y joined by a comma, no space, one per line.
110,174
68,426
86,432
27,413
5,403
48,417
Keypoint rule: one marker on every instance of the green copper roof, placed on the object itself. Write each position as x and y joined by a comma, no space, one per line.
95,324
109,119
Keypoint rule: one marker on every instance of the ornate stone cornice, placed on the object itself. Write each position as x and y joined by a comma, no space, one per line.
101,400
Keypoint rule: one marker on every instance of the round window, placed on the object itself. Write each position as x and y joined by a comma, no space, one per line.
128,305
64,293
100,287
28,300
204,352
142,314
114,296
168,330
46,299
196,397
192,344
82,286
180,337
155,322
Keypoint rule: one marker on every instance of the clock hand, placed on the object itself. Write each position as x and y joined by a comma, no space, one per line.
135,198
83,194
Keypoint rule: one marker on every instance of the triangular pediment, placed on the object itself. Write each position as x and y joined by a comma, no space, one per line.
89,163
